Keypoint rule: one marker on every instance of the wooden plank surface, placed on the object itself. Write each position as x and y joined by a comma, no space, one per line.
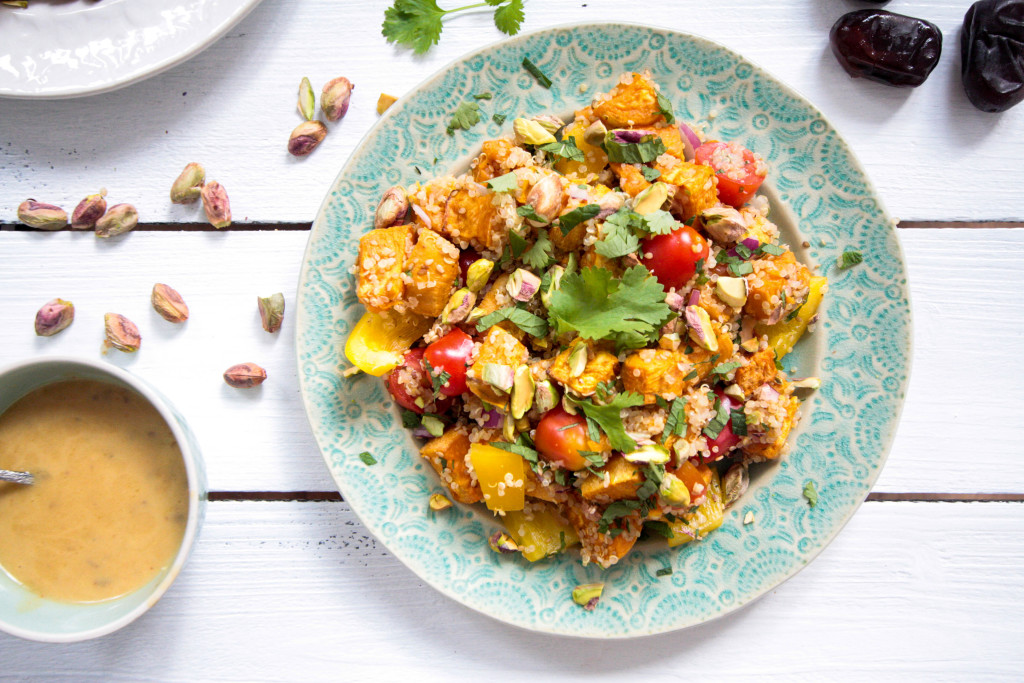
907,590
931,155
960,431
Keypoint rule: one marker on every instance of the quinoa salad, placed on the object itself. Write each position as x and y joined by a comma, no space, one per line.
586,327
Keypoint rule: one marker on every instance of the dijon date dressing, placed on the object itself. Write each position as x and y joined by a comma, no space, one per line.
108,510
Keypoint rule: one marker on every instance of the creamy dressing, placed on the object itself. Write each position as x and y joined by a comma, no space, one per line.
108,510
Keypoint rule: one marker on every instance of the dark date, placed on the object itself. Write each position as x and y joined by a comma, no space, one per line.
886,47
992,54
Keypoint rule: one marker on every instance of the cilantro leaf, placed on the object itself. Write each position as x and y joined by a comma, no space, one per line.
499,119
368,459
598,306
849,259
565,148
666,109
504,183
570,220
810,493
660,222
773,249
466,115
650,174
517,243
535,71
527,211
648,149
618,239
608,417
529,323
508,18
539,256
724,369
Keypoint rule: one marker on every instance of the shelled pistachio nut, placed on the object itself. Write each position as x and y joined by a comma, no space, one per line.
307,100
121,333
531,132
306,137
54,317
271,311
245,375
168,303
522,392
392,208
88,211
216,205
188,186
586,595
478,273
42,216
119,219
334,98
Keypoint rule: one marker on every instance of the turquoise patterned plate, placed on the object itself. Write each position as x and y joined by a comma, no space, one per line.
861,348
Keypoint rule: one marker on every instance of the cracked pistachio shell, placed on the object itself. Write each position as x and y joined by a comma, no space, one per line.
271,311
335,97
188,186
307,100
121,333
88,211
245,375
54,317
216,205
168,303
306,137
42,216
119,219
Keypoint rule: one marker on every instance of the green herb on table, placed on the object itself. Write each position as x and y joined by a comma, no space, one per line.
417,24
482,96
849,258
466,115
367,458
536,73
810,493
665,571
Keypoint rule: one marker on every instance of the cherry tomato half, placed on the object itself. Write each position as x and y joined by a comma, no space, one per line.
738,170
409,382
726,440
560,437
673,258
450,354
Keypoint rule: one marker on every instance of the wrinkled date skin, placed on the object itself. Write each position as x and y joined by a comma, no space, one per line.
992,54
889,48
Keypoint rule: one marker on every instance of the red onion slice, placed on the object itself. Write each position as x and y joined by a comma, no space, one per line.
694,298
690,140
750,243
494,419
421,433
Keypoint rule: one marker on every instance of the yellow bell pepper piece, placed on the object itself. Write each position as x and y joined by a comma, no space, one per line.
379,340
704,520
594,157
546,534
502,477
783,336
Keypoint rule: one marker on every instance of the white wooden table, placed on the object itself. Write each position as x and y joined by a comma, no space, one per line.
927,580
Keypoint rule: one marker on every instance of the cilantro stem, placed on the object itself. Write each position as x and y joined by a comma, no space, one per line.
460,9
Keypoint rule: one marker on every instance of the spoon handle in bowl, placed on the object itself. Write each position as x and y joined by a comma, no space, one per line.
17,477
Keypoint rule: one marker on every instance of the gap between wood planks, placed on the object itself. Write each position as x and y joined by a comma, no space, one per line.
255,227
334,496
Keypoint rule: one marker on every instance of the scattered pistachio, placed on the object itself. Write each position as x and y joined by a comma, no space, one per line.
807,383
531,132
392,208
732,291
439,502
673,490
609,203
548,122
734,483
595,133
478,273
522,285
433,425
556,272
42,216
305,138
748,518
271,311
119,219
245,375
499,376
458,307
475,315
545,395
307,100
735,391
652,454
577,359
508,428
384,102
188,186
522,391
88,211
54,317
651,199
586,595
724,223
334,98
751,345
20,4
699,324
501,542
546,198
169,304
121,333
216,205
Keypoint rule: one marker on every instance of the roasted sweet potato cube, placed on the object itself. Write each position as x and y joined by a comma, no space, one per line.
601,367
489,164
447,455
775,448
630,105
624,478
433,267
431,197
654,372
696,184
631,180
382,255
760,370
773,277
468,217
497,348
673,141
602,548
535,488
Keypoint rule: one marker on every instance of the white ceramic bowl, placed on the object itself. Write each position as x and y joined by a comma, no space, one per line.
27,615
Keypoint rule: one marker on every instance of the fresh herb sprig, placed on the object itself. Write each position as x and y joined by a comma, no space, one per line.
417,24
